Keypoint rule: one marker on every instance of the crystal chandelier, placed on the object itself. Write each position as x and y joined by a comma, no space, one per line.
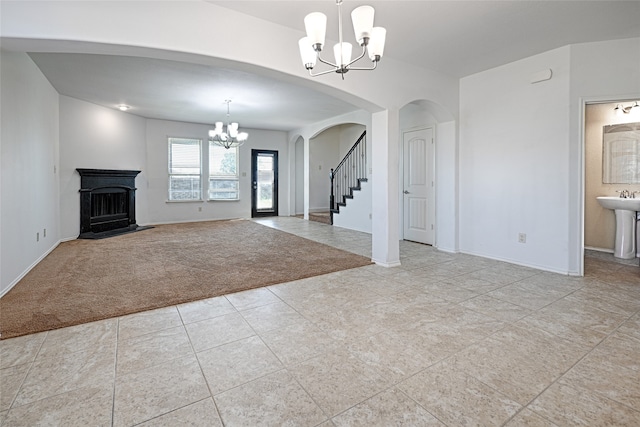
227,137
371,39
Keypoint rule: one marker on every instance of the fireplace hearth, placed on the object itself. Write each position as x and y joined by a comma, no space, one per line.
107,202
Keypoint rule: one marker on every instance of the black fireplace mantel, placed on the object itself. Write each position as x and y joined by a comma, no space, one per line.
107,202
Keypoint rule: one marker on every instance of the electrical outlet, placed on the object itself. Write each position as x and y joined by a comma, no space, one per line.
199,208
522,238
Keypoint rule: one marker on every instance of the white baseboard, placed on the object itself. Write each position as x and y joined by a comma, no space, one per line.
523,264
387,264
28,269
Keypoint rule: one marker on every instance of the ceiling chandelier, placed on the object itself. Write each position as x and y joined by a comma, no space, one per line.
227,137
369,37
620,110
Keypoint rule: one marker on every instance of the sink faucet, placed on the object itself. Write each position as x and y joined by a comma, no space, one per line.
624,194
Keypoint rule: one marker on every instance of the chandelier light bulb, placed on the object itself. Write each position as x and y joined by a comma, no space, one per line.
376,44
316,26
362,18
308,55
342,53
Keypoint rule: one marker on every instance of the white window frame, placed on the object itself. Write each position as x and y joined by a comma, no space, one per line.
220,178
172,173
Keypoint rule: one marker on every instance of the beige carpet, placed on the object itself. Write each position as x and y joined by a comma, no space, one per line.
87,280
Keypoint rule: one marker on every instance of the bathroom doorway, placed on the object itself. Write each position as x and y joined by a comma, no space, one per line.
600,223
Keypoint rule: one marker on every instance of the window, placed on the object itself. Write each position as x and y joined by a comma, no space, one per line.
223,173
184,169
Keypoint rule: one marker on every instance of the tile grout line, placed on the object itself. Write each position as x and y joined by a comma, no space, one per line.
115,374
31,364
195,354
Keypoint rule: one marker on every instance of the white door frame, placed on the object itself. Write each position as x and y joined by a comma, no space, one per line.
582,109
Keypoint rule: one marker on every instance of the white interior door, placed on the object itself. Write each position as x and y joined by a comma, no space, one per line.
418,194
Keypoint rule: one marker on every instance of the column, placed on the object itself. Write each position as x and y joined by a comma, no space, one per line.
385,133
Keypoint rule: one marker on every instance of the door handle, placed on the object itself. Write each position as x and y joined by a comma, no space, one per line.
405,192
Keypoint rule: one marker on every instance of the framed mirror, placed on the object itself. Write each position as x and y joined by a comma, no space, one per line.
621,154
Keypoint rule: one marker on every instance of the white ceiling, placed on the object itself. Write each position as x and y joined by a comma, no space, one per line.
464,37
454,37
187,92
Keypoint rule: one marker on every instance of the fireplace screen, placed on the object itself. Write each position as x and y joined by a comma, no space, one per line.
104,204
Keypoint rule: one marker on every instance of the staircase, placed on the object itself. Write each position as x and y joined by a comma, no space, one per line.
348,175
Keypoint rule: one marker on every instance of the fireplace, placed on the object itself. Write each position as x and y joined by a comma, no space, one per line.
107,202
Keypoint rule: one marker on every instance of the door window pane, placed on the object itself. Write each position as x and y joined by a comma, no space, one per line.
265,182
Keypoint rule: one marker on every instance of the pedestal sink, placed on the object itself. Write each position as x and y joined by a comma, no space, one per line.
625,209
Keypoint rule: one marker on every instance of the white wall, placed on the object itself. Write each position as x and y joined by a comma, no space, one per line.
161,211
357,214
299,176
447,189
29,155
349,134
514,159
96,137
324,154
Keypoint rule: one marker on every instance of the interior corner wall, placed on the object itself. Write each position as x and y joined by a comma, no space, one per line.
514,161
95,137
29,145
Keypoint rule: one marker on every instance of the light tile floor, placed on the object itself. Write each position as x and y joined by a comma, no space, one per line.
443,340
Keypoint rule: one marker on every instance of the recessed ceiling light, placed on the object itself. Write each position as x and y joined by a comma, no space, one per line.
123,107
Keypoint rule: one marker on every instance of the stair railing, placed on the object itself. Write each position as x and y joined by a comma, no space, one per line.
347,176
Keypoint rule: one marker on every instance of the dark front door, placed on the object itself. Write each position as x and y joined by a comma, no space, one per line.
264,180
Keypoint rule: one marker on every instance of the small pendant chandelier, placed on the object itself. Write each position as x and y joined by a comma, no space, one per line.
371,39
227,137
